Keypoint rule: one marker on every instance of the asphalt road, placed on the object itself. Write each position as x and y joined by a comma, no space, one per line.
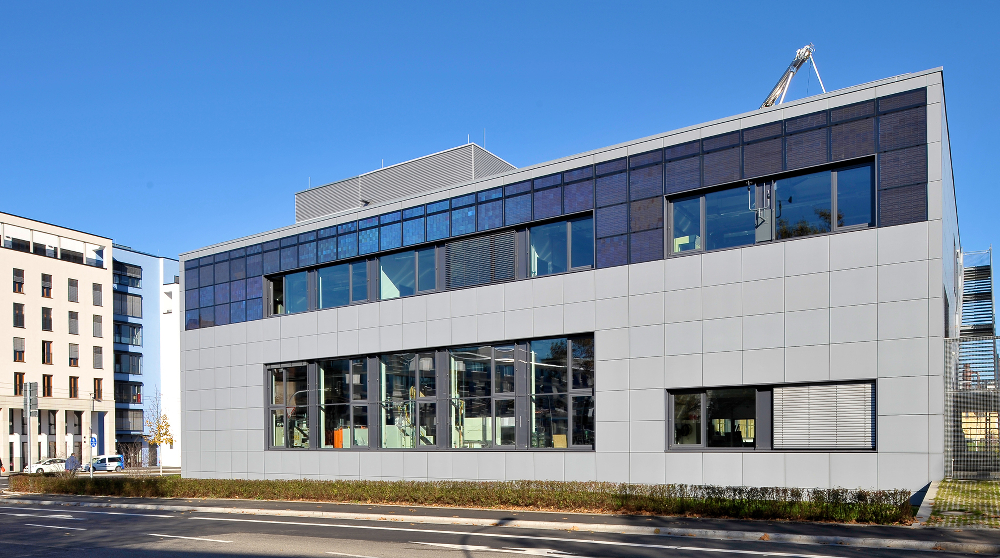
41,531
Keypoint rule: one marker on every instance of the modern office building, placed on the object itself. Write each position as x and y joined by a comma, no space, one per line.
60,336
757,300
140,309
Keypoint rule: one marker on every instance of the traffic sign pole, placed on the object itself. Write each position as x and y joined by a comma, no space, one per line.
31,410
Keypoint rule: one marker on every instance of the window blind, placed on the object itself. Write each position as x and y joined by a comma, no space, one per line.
480,260
837,416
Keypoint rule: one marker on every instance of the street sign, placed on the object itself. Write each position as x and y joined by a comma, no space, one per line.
93,441
31,398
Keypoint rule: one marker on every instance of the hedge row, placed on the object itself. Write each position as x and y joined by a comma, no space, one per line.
838,504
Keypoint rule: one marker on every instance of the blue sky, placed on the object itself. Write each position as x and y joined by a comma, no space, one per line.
171,126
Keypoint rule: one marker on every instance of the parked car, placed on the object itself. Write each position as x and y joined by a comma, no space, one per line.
107,463
53,465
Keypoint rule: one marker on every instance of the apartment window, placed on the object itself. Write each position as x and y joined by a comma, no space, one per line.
289,413
18,315
18,383
98,295
126,275
18,280
127,304
129,334
74,323
129,420
128,363
343,387
70,256
409,400
98,326
46,352
74,355
407,273
46,285
562,392
73,290
98,385
46,385
46,319
19,349
128,392
98,357
561,246
74,387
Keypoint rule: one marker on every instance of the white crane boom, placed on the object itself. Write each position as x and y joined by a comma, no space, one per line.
802,55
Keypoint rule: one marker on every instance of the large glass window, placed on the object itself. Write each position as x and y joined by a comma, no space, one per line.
715,418
289,407
343,387
408,400
854,196
803,205
471,397
406,273
290,293
687,225
558,247
556,399
728,219
334,288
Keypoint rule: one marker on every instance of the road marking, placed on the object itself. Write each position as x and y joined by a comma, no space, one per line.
188,538
56,516
349,555
523,551
56,527
82,511
528,537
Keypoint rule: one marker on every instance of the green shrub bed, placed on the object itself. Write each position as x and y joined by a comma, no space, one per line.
837,504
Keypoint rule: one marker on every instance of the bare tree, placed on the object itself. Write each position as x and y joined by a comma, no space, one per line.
157,426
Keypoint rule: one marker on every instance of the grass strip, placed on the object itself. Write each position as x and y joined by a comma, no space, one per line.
737,502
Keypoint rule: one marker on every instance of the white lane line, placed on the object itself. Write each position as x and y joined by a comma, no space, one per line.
525,537
82,511
349,555
56,516
188,538
522,551
56,527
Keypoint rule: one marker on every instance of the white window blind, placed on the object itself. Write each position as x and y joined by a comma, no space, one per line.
839,416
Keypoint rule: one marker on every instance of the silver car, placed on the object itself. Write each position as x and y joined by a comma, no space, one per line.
53,465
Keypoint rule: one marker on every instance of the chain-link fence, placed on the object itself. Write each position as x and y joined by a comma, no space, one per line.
972,408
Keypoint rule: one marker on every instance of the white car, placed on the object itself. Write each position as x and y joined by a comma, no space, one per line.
53,465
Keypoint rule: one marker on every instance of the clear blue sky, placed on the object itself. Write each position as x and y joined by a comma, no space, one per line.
170,126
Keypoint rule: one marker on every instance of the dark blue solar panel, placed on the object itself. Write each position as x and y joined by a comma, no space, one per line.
327,232
368,223
347,246
721,141
289,241
368,241
517,209
578,174
222,293
191,264
237,312
272,262
487,195
438,226
438,206
255,265
462,201
646,182
546,181
289,258
389,217
646,214
490,215
612,251
191,278
307,254
345,228
517,188
238,268
221,257
222,314
207,260
191,299
413,231
255,249
463,221
237,253
413,212
255,309
307,237
578,196
271,245
682,175
548,203
222,272
191,319
326,250
646,246
207,317
206,276
206,296
612,189
391,236
238,290
255,287
612,220
647,158
607,167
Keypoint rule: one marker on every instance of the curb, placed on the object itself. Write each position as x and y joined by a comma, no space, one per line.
858,542
927,505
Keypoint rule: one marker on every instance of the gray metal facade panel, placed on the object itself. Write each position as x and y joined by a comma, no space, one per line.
486,164
326,200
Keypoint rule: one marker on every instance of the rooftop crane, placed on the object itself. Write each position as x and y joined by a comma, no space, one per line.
777,95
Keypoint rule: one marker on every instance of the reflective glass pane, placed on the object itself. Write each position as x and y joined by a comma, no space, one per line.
503,368
326,250
191,278
222,293
463,220
255,309
686,224
438,226
582,239
191,299
583,362
548,249
413,231
222,272
254,265
398,424
687,418
397,275
471,423
296,292
222,314
206,317
506,422
278,387
298,427
548,203
296,386
802,205
426,270
336,426
238,290
255,287
271,262
728,220
517,209
238,312
549,421
390,236
368,241
307,254
583,420
548,366
334,286
206,276
731,417
347,246
206,296
278,428
359,380
471,371
427,429
399,376
335,381
490,215
854,197
360,426
289,258
359,281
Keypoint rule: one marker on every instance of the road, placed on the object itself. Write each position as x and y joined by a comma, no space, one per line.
43,531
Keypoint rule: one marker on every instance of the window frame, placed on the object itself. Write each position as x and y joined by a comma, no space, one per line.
46,285
370,264
18,384
762,420
568,221
18,281
46,385
271,407
438,267
351,404
19,354
47,352
74,387
18,315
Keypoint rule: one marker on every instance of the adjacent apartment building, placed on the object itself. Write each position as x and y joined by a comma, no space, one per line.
145,327
58,286
757,300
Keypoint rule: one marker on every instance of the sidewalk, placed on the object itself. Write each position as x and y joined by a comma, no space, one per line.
953,540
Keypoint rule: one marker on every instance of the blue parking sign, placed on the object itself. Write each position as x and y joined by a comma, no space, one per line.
93,441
